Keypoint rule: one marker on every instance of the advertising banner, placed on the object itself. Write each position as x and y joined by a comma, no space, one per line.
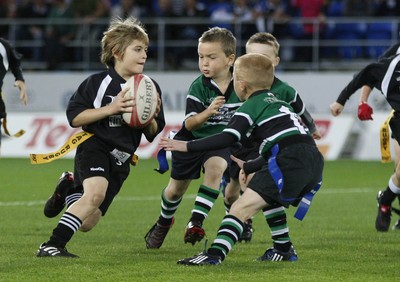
47,132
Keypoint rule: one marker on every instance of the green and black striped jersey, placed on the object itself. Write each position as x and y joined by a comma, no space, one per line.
271,119
287,93
200,96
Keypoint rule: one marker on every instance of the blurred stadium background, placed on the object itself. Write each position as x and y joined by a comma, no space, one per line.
323,43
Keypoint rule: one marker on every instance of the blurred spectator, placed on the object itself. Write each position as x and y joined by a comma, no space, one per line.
191,32
163,9
176,6
58,34
35,9
387,8
8,10
221,14
309,10
127,8
193,9
273,16
334,8
358,8
243,12
95,15
91,11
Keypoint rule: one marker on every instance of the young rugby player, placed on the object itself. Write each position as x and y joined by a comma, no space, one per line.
382,76
11,60
289,166
266,44
210,104
102,163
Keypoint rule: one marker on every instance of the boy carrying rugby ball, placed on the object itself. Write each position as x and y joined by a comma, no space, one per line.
102,161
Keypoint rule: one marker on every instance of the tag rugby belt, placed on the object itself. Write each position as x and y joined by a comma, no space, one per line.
18,134
277,175
71,144
385,139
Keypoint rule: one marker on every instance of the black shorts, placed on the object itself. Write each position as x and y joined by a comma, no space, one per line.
301,166
244,154
395,126
2,107
93,158
189,165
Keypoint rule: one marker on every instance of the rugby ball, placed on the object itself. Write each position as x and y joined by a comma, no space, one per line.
143,89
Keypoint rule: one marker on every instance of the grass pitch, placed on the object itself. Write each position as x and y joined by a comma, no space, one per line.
336,241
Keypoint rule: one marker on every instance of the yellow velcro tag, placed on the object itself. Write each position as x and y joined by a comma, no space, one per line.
134,160
71,144
18,134
385,140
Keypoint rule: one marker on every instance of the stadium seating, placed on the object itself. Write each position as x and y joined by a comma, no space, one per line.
350,32
375,32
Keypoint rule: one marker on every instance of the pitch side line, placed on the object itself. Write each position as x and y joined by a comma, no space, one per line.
190,196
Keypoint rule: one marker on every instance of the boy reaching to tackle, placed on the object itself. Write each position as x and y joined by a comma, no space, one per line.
289,166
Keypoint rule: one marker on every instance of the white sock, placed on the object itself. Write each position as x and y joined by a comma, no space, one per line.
395,189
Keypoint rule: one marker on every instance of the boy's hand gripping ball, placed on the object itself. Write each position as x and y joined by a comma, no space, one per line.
145,93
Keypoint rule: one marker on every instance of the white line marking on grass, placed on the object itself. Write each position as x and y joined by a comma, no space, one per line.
139,198
31,203
346,190
190,196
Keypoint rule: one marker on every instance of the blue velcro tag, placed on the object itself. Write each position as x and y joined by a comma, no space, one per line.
274,169
223,184
276,174
162,161
305,202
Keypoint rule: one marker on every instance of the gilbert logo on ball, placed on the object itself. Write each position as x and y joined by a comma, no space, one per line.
145,93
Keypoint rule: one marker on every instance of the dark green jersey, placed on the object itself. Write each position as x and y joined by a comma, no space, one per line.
287,93
272,120
200,96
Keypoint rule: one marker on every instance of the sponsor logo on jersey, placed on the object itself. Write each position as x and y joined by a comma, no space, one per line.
115,120
97,169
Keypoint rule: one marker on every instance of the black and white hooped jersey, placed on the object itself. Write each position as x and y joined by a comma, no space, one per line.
99,90
383,75
10,60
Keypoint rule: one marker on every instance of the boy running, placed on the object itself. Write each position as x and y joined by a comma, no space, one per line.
210,104
384,76
102,161
11,60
